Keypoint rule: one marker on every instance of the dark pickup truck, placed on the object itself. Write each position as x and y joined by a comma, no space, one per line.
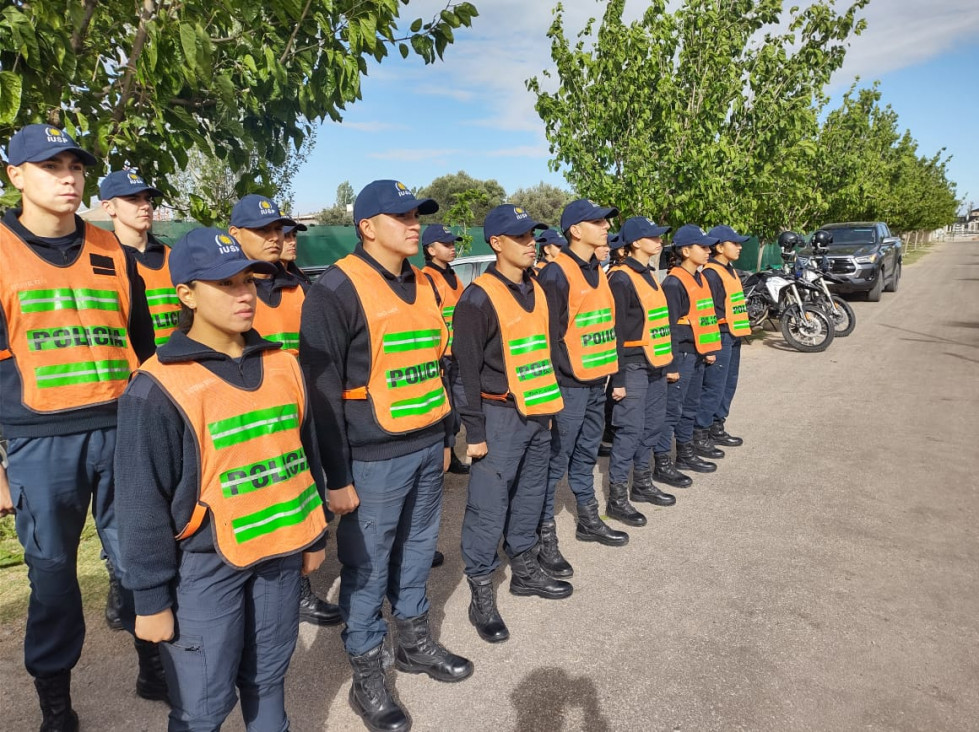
864,256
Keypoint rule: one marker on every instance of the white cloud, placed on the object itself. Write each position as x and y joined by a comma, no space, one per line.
375,126
414,155
459,95
520,151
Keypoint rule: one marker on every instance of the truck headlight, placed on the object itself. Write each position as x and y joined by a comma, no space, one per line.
868,259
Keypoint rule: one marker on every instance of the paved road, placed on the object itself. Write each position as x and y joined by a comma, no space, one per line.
826,577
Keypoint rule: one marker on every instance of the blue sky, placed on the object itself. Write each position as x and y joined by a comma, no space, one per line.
472,111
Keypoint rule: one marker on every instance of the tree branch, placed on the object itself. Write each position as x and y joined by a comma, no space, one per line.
148,11
78,37
292,38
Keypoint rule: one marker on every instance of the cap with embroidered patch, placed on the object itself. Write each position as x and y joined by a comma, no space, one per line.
726,233
438,233
508,220
691,235
389,197
125,183
640,227
584,210
210,255
550,236
256,212
37,143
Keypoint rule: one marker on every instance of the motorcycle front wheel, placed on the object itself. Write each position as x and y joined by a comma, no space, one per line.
809,330
844,319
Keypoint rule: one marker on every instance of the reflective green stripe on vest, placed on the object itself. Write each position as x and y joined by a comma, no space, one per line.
81,373
244,427
655,314
520,346
419,405
411,340
544,394
288,340
162,296
277,516
709,337
263,473
50,339
705,303
593,360
65,298
593,317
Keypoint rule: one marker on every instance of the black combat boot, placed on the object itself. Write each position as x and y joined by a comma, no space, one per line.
643,490
54,695
419,653
592,528
456,466
720,436
369,695
549,557
666,472
314,610
618,506
527,578
687,459
151,682
482,610
703,446
113,601
438,559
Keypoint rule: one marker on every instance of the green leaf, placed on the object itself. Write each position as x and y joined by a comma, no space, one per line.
11,87
188,43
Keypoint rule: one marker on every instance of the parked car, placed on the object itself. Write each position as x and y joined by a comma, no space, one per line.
864,256
469,268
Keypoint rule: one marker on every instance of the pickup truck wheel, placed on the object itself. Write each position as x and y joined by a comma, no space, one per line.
873,295
895,280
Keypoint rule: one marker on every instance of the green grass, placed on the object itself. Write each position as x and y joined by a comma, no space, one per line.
14,587
911,256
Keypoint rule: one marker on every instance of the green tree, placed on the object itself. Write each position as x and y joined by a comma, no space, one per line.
337,214
544,202
706,113
464,213
446,189
145,83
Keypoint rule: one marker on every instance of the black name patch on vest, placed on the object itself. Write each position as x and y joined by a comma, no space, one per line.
102,265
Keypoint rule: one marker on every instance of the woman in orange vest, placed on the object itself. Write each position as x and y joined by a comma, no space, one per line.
695,340
549,244
721,379
439,248
219,495
638,389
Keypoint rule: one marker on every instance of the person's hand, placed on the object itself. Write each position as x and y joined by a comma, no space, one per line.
710,359
342,500
446,459
312,561
618,393
477,451
6,500
156,628
673,378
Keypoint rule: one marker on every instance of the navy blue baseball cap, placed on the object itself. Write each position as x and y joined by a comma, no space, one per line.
389,197
639,227
210,255
726,233
294,227
508,220
256,212
690,235
438,233
37,143
125,183
614,241
584,210
550,236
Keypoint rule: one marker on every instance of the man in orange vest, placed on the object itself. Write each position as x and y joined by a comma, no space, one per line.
290,251
511,396
372,341
74,324
259,226
439,248
582,317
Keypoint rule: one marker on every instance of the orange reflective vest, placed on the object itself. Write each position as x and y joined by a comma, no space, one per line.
67,326
281,323
735,308
590,335
701,316
448,295
254,476
655,342
161,297
405,386
526,348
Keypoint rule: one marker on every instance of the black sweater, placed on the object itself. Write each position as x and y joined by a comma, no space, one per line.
478,349
156,469
334,350
270,288
630,319
15,419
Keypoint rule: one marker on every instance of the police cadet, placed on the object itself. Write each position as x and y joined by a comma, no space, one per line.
549,244
259,226
721,379
219,495
372,339
439,248
511,395
638,389
290,250
73,326
582,331
695,340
